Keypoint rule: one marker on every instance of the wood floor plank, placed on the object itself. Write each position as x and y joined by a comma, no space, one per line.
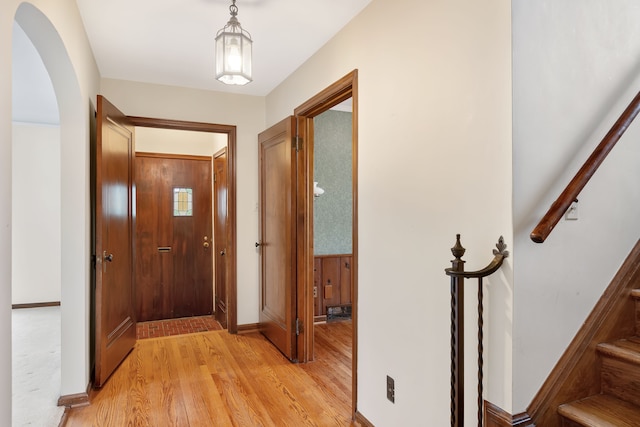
214,378
191,385
331,369
138,401
210,355
241,399
173,412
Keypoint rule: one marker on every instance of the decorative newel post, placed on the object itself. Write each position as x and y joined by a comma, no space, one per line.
457,274
457,336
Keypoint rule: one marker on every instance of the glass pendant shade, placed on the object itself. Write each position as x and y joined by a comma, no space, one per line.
233,52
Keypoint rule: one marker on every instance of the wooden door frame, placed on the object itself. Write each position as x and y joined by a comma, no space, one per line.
230,131
341,90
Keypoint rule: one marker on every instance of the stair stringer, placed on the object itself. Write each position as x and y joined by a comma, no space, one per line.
577,373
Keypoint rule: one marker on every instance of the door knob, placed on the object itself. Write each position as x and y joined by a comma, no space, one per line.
205,244
222,252
107,257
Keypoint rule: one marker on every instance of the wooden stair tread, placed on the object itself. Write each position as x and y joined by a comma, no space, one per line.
601,411
627,349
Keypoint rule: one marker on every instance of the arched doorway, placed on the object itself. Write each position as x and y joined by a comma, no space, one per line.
74,198
35,202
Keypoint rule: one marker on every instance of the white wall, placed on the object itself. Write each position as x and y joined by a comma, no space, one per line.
245,112
36,260
6,24
434,131
170,141
576,67
56,30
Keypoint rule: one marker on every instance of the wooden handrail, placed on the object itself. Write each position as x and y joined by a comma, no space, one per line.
570,193
457,274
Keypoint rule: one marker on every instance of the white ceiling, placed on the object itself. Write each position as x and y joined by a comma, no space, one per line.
171,42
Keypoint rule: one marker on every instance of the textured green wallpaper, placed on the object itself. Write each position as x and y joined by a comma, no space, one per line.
332,211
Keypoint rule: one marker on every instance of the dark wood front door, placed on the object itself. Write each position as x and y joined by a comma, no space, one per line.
174,248
278,236
220,233
114,313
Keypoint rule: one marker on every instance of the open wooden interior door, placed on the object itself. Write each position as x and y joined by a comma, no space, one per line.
278,275
114,310
220,233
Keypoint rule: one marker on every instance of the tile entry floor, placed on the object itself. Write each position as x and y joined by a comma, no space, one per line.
184,325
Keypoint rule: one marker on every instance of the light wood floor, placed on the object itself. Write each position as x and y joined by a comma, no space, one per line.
217,379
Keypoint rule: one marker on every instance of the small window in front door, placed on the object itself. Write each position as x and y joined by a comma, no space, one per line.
182,201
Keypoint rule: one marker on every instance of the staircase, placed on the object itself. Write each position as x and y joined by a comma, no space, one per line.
618,404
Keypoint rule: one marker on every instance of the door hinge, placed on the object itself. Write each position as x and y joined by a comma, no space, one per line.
297,143
299,326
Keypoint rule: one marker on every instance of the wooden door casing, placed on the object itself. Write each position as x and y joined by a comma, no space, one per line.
114,313
231,254
278,275
220,233
174,262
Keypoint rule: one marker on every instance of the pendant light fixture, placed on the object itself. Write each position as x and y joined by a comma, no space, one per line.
233,52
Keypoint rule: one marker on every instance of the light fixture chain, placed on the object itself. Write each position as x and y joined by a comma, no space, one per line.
233,9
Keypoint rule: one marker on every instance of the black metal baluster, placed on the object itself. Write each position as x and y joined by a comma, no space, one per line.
458,275
480,351
457,336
